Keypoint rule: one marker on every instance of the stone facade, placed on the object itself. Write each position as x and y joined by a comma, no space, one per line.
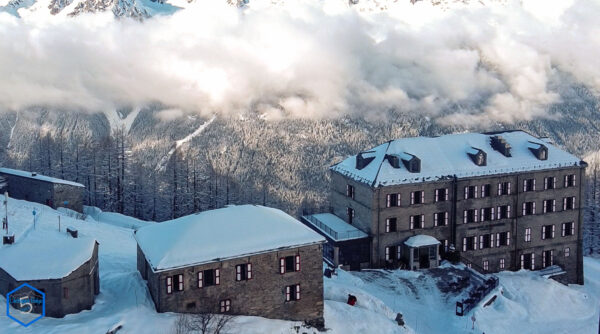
263,295
371,212
44,192
71,294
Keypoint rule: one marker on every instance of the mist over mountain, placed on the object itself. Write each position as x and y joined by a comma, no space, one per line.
166,108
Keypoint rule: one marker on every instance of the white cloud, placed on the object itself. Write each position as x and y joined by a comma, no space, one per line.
306,59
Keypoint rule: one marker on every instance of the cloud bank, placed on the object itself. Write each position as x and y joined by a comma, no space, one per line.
492,62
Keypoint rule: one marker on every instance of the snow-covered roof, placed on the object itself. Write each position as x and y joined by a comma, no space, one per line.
221,234
45,255
421,240
446,156
335,227
45,178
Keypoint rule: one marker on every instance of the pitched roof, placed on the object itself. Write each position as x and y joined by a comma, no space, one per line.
221,234
46,255
446,156
39,177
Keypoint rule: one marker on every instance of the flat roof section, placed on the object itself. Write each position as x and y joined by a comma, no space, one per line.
334,227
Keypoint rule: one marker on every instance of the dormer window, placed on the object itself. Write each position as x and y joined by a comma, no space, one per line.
363,159
539,150
499,144
411,162
478,156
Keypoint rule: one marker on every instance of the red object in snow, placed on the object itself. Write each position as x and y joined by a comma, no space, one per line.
351,300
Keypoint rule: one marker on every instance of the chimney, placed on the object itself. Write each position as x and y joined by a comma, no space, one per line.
33,174
499,144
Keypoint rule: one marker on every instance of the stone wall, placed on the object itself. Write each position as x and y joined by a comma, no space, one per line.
73,195
263,295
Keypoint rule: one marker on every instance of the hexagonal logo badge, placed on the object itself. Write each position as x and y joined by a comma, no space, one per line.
25,304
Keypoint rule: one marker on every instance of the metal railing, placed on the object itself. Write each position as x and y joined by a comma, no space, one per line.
329,231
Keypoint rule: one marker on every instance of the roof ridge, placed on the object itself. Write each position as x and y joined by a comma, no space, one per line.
381,164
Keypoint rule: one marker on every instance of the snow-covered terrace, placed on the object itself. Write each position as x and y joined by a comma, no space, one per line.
39,177
446,156
221,234
333,226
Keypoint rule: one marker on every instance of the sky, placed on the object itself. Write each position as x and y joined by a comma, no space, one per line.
487,61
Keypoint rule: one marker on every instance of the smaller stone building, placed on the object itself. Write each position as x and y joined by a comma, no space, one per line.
64,268
242,260
50,191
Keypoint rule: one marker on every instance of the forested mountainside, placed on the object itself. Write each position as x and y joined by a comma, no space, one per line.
134,162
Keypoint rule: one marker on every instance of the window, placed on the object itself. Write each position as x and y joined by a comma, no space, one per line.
209,277
392,200
440,219
528,234
549,183
547,258
502,239
445,244
417,221
547,232
487,214
292,292
470,192
549,205
441,195
501,264
528,208
486,190
567,252
486,265
392,253
529,185
503,212
569,203
503,188
568,229
417,197
349,191
570,180
225,305
243,272
66,293
289,264
174,283
528,261
470,216
350,213
486,241
469,243
390,225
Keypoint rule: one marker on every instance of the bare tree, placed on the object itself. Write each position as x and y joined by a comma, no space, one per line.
202,323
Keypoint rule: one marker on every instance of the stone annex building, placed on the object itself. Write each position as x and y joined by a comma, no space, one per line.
42,189
242,260
505,201
64,268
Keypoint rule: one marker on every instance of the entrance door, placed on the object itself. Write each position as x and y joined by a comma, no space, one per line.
423,258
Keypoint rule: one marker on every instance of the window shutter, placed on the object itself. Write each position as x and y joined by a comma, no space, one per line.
476,191
553,205
412,222
545,183
499,188
387,253
297,262
446,193
387,225
464,244
389,201
497,239
476,215
249,270
482,214
398,199
533,184
545,207
446,218
524,209
544,263
435,219
524,185
282,265
298,292
551,257
573,207
398,252
465,217
422,221
169,282
553,230
466,192
412,197
238,273
572,228
553,182
533,208
422,197
474,243
564,229
574,180
287,293
522,261
498,213
507,238
566,177
481,242
508,212
509,188
482,191
180,283
217,276
200,282
532,261
543,232
437,195
492,240
564,203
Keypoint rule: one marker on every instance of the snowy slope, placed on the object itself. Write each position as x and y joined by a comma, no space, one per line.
529,303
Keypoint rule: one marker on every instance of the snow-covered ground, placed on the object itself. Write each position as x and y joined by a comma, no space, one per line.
528,303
